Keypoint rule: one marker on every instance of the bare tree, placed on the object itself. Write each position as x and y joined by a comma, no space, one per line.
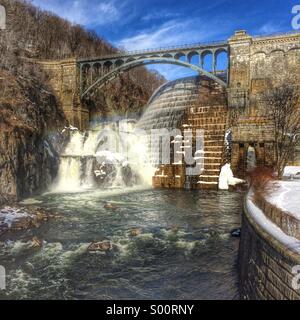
282,107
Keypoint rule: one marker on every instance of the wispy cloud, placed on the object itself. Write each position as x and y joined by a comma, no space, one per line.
160,15
172,32
269,27
84,12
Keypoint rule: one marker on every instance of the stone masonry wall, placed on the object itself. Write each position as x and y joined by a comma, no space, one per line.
208,113
63,76
255,64
265,265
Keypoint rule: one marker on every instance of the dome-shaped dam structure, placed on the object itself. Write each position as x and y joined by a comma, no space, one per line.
169,102
195,104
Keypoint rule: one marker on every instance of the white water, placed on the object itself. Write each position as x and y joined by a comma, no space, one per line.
169,103
104,154
122,147
69,174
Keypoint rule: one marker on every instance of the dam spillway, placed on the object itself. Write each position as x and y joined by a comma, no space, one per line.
169,103
197,104
114,154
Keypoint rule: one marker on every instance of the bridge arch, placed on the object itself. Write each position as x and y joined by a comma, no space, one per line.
97,69
119,62
221,59
168,55
127,65
107,66
193,54
208,60
179,56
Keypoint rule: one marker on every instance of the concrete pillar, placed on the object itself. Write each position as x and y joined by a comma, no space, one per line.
214,62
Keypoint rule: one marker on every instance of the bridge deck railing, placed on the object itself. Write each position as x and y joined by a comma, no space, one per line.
123,53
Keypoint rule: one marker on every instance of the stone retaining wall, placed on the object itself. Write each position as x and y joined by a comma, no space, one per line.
265,265
289,224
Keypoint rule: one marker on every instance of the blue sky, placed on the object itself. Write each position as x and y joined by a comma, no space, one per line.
144,24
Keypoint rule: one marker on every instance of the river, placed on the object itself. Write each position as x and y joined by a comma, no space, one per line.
184,250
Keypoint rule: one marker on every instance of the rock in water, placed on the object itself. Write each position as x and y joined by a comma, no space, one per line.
110,206
28,267
101,247
175,229
236,233
18,218
135,232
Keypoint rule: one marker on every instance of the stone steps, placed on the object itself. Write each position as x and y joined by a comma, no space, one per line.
210,172
213,121
212,143
213,153
208,126
209,179
212,166
207,185
209,119
205,109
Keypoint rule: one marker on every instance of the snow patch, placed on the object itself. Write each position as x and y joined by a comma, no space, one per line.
227,179
9,215
259,217
291,172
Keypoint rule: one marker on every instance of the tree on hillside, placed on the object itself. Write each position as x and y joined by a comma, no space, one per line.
282,107
36,34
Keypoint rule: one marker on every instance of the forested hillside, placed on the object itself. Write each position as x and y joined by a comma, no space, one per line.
29,110
42,35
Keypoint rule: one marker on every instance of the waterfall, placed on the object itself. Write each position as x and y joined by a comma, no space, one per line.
69,174
166,109
169,103
109,155
116,154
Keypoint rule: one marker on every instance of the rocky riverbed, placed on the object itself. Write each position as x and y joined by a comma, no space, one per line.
17,218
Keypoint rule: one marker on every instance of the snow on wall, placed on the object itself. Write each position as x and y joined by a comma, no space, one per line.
291,171
286,196
259,217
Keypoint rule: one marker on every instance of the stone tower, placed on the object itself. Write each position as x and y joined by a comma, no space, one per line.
256,63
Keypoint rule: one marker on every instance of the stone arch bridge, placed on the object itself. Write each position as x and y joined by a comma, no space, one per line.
252,63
